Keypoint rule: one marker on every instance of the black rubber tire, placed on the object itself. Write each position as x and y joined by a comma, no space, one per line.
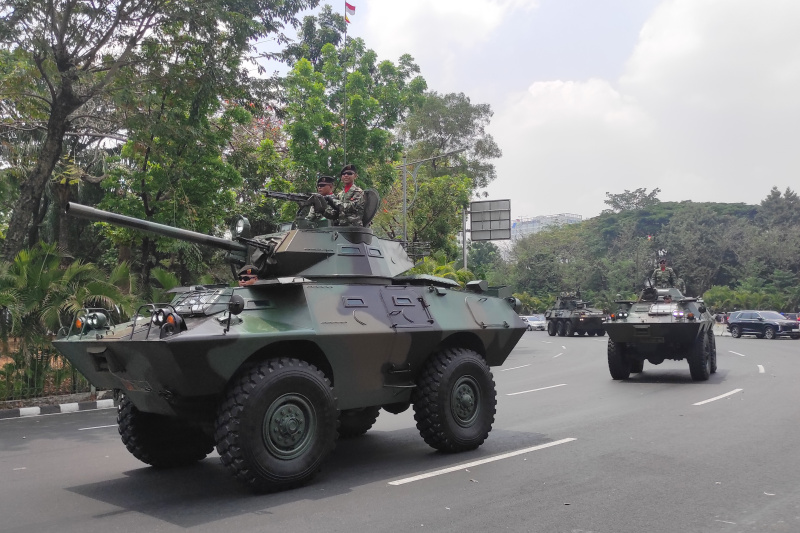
759,336
159,440
356,422
560,328
769,333
455,400
580,333
713,352
736,332
277,424
601,333
591,333
569,329
700,358
551,328
618,363
637,365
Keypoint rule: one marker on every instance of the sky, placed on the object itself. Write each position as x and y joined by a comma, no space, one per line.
699,98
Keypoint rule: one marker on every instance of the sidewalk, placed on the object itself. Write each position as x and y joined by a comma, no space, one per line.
56,404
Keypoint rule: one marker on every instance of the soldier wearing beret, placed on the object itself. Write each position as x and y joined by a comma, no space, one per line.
350,201
248,275
324,188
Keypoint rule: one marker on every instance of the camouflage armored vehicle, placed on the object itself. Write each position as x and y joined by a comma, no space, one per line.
273,372
661,324
570,315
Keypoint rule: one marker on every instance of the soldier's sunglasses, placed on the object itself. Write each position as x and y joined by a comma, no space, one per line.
246,278
348,173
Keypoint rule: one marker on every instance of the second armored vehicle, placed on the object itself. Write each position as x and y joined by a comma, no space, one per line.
661,324
570,315
273,372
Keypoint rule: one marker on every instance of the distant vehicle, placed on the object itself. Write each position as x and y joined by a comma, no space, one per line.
525,319
792,316
571,315
536,322
762,324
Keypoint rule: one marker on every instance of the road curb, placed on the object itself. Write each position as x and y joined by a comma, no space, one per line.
55,409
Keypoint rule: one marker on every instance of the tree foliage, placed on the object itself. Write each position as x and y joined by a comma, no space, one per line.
631,200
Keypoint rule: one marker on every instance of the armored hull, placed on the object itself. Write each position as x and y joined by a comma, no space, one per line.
572,316
661,324
272,373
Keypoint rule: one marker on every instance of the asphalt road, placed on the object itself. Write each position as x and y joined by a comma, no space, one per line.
571,451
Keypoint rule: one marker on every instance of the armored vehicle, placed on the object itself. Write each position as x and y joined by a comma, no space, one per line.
272,373
570,315
661,324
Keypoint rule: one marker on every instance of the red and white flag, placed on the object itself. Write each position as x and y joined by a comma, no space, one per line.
349,9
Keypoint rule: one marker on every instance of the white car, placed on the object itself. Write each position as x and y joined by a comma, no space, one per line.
536,322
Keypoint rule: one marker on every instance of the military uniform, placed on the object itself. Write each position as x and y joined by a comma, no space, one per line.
664,279
350,207
330,213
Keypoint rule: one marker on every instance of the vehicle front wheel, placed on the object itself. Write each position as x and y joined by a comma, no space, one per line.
551,328
560,328
736,332
618,363
276,424
601,333
455,400
713,352
769,332
356,422
637,366
700,358
158,440
569,329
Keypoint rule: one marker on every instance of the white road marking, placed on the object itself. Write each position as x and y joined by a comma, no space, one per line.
480,462
546,342
556,355
718,397
563,347
21,468
736,353
535,390
760,369
515,367
98,427
725,522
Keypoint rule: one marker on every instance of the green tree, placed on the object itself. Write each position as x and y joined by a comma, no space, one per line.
631,200
73,52
483,257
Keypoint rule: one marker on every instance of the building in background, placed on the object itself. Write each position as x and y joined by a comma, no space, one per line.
523,226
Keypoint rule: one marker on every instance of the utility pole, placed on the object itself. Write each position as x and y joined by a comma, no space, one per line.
464,235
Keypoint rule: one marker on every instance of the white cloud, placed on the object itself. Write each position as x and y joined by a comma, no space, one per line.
706,109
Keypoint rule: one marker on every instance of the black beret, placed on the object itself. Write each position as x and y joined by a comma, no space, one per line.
248,270
345,168
328,180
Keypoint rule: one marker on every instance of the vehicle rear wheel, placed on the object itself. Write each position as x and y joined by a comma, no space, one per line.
569,329
455,400
276,424
736,332
601,333
560,328
637,366
618,363
356,422
551,328
158,440
769,332
700,358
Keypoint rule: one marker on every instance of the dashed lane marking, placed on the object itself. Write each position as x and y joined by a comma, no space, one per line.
556,355
98,427
760,369
715,398
515,367
480,462
737,353
535,390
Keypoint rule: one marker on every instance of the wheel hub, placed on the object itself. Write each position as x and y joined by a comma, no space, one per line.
465,401
289,426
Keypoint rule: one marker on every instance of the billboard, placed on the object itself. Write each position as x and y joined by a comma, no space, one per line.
490,220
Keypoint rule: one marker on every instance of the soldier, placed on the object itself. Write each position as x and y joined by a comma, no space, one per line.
350,200
664,277
324,188
248,275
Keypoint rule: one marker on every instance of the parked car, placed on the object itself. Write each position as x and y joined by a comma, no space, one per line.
525,319
537,322
762,324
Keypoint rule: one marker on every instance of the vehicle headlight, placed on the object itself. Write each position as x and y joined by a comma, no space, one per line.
241,228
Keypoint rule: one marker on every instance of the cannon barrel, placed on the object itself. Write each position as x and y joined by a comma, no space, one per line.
90,213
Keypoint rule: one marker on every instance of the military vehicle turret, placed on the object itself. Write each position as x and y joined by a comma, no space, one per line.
570,315
661,324
273,372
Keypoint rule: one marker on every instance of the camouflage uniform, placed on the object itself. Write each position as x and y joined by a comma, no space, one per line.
350,206
664,279
329,213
